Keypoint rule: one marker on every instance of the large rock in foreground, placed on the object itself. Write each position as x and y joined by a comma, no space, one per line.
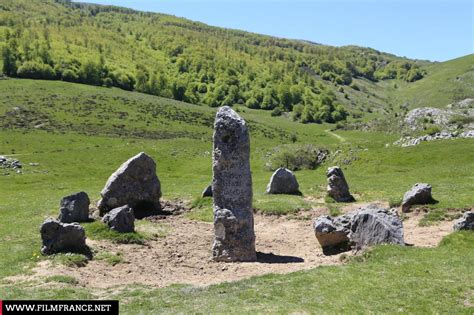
234,236
120,219
333,233
283,181
74,208
466,222
62,237
373,226
419,194
338,189
135,184
364,227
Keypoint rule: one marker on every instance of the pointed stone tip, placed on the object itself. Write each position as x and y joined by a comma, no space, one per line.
141,156
228,113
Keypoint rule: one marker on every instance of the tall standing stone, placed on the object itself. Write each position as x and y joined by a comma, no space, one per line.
234,236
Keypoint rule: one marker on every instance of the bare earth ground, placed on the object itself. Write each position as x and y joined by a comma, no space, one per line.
284,245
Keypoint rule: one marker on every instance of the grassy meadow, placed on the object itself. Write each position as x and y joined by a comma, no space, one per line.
80,134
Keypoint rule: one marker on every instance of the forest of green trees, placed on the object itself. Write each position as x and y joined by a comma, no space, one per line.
184,60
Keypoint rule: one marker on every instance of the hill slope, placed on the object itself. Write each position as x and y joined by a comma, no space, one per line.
193,62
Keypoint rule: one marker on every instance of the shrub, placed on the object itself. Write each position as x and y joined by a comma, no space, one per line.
355,87
276,111
296,157
252,103
431,130
461,120
36,70
90,73
70,76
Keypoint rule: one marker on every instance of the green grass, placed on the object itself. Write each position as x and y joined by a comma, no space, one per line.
70,259
201,210
395,202
446,82
434,216
99,231
110,258
280,204
62,279
388,279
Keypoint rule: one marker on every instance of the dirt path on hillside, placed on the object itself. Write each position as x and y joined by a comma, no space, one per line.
284,245
340,138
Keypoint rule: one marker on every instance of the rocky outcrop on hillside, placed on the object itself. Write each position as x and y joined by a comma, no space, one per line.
447,118
444,135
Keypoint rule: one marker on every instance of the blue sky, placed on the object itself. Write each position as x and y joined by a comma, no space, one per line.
436,30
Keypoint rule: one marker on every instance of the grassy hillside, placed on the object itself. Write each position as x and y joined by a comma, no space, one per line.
193,62
80,134
445,82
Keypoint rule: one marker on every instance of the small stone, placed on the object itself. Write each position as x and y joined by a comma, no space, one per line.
283,181
74,208
62,237
466,222
419,194
120,219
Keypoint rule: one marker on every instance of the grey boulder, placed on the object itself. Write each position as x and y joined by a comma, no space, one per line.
283,181
419,194
120,219
74,208
466,222
62,237
337,188
333,233
361,228
373,226
207,192
135,183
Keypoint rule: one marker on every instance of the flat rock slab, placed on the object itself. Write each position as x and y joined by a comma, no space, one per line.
234,236
136,184
283,181
62,237
74,208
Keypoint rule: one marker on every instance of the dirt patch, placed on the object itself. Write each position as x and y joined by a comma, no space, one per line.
424,236
284,245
